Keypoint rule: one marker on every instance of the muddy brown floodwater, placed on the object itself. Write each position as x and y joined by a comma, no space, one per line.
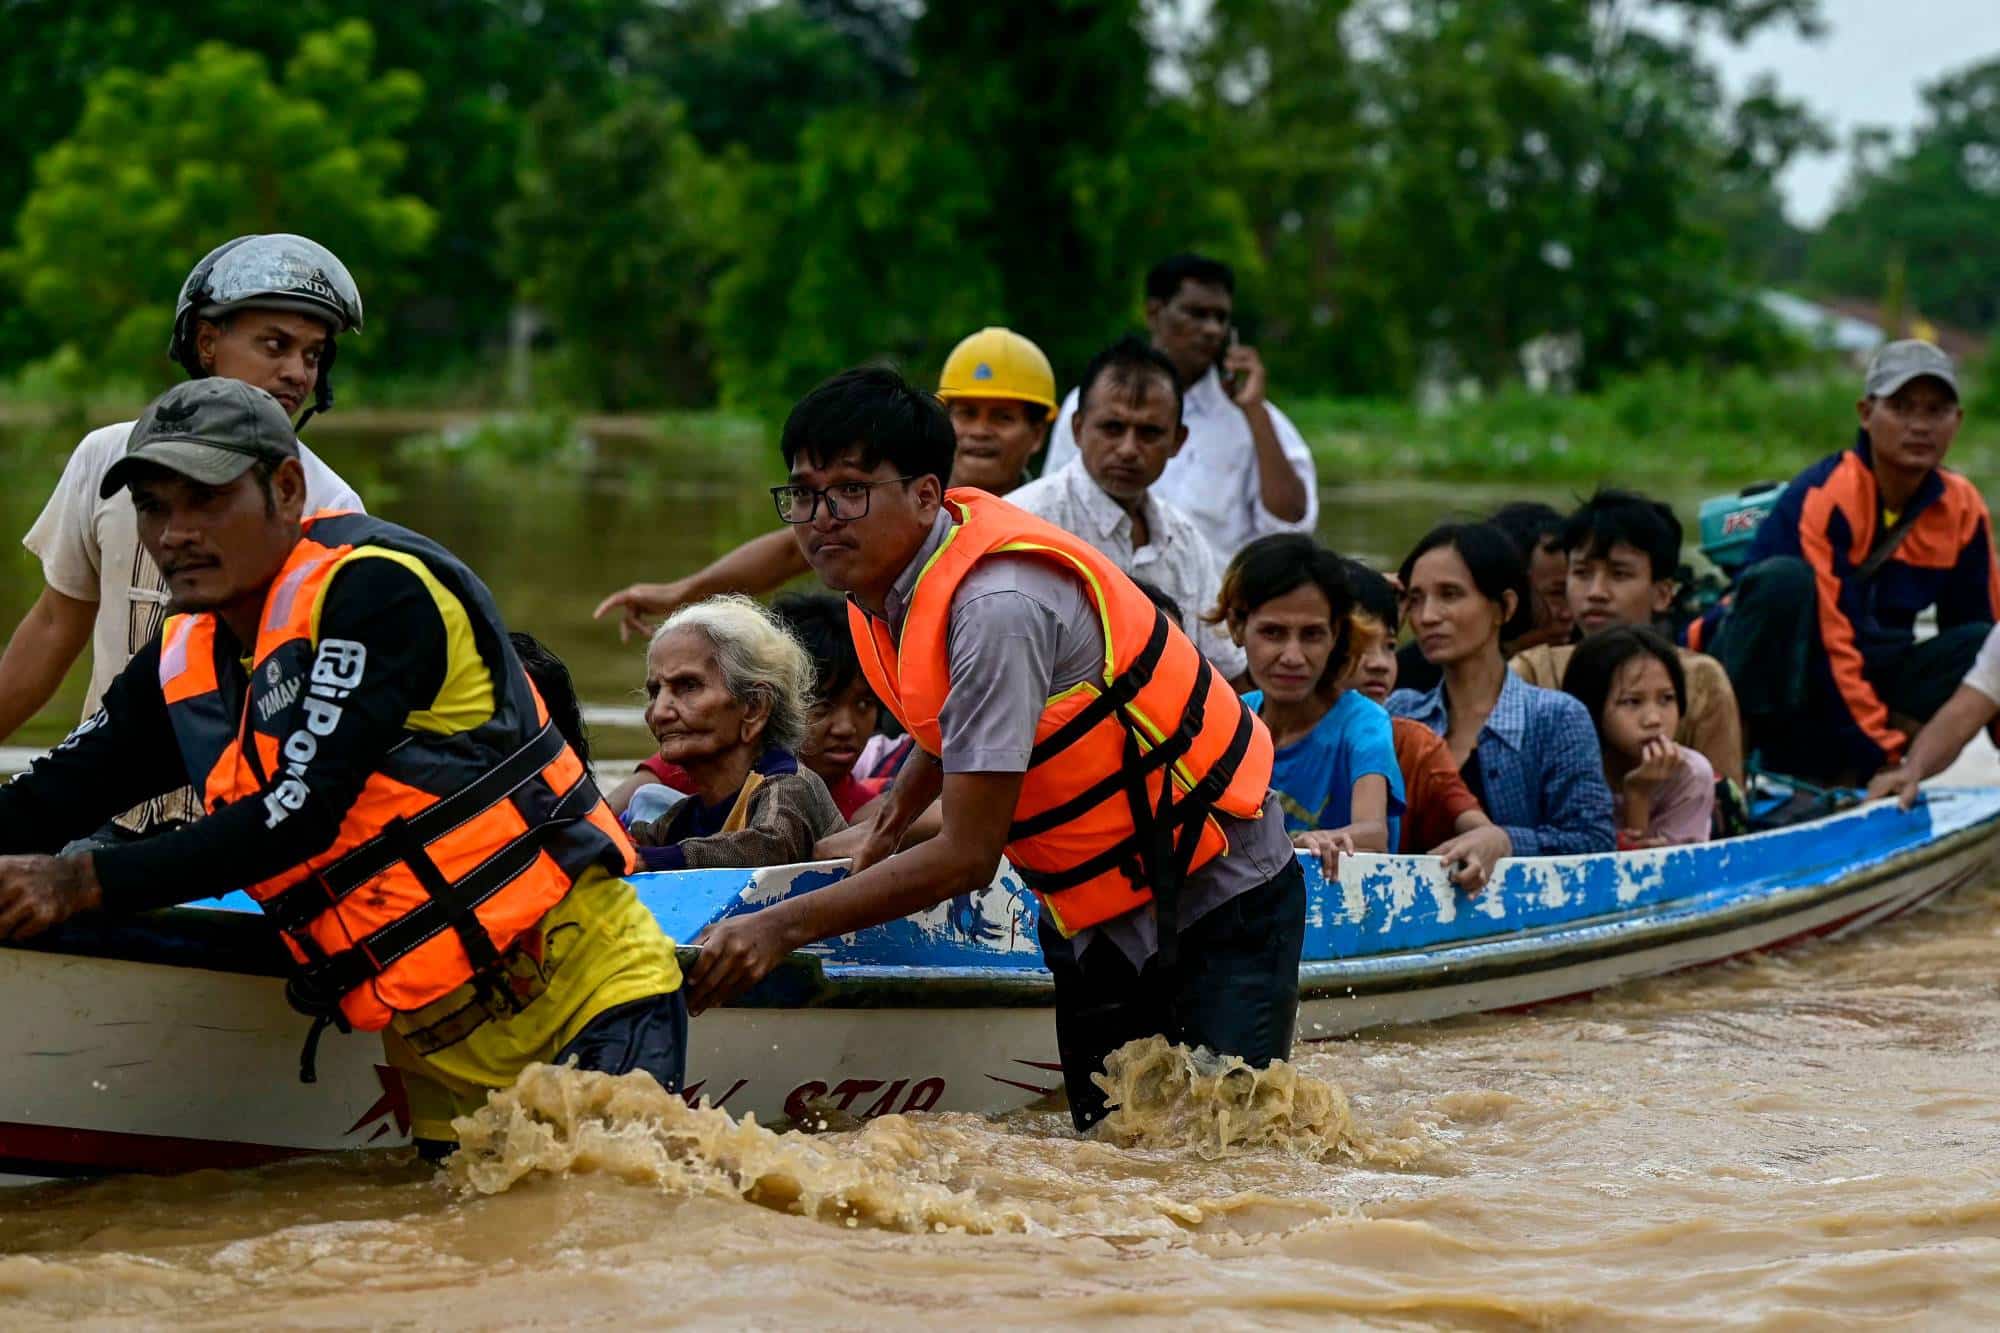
1786,1142
1782,1143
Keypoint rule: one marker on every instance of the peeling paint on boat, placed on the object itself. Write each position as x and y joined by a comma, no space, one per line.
956,997
1640,874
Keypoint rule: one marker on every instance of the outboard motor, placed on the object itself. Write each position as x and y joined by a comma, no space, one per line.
1729,524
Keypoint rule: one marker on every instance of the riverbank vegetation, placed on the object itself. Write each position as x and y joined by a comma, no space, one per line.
667,247
1674,429
1663,428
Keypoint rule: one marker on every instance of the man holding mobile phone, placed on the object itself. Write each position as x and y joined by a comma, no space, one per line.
1245,471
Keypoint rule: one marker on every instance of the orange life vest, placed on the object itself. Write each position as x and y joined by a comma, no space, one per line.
1129,769
455,845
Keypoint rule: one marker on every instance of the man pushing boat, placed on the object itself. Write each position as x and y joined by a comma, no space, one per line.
374,768
1064,721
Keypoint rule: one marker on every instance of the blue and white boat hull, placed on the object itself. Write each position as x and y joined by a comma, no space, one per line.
164,1042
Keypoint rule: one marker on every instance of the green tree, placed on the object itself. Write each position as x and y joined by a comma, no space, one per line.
1030,178
1093,172
855,252
1463,179
1276,88
1933,208
611,239
481,65
750,75
1767,132
162,167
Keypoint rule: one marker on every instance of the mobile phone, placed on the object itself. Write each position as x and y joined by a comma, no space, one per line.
1229,377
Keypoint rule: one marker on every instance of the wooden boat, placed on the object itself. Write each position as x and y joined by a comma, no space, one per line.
164,1042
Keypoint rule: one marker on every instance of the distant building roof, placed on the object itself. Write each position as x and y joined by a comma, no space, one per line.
1825,327
1961,343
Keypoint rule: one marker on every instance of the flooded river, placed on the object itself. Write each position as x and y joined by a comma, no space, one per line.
1782,1143
552,538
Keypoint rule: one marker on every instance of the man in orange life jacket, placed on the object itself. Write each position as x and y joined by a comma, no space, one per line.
375,768
1063,720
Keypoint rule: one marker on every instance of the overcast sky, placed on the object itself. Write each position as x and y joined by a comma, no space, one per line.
1865,70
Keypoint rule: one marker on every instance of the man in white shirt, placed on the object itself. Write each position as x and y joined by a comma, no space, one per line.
1245,471
261,309
1129,426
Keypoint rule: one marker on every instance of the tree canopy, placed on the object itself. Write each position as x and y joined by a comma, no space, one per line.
162,167
703,199
1926,216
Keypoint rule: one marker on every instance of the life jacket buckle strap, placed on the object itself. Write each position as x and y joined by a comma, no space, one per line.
1171,749
323,1009
309,1053
323,983
308,897
1186,815
1116,697
459,914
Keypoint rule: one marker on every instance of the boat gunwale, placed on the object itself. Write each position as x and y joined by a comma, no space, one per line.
806,981
1638,928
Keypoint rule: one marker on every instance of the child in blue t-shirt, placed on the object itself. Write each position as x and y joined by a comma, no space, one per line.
1287,601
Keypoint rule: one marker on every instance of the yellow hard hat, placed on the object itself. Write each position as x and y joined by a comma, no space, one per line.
998,363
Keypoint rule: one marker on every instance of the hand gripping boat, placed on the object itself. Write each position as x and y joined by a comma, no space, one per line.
163,1042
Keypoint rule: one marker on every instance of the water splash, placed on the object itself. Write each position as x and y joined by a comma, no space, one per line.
1168,1096
559,1121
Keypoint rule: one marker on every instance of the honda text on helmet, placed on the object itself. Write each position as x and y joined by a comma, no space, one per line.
272,272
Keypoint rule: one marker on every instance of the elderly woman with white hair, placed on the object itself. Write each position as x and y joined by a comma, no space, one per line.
729,694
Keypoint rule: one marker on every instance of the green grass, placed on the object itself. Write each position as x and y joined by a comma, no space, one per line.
1686,428
1679,426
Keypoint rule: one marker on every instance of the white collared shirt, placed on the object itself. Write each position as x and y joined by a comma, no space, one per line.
1176,558
1213,479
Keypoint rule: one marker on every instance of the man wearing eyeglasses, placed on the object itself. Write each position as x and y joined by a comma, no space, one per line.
1060,718
1819,633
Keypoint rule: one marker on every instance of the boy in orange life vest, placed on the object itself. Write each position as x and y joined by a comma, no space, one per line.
984,629
375,770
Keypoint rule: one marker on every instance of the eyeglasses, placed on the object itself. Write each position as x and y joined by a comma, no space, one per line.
845,501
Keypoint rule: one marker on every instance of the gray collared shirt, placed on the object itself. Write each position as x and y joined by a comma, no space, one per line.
1019,631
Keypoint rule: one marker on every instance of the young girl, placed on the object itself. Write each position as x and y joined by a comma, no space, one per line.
1630,679
844,708
1286,600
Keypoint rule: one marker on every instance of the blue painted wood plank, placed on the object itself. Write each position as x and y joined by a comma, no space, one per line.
1382,905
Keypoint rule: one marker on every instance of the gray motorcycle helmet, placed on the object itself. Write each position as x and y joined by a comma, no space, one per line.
278,271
